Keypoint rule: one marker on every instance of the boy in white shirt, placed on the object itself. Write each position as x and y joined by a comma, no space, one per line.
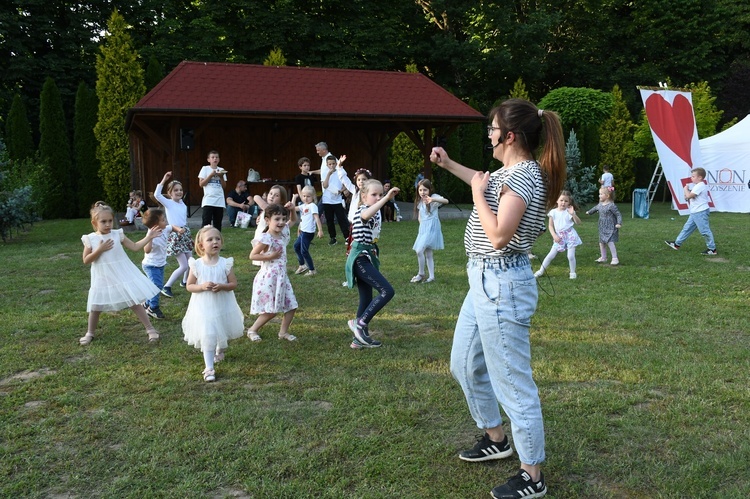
213,180
696,194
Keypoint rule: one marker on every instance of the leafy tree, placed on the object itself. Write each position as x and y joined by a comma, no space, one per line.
406,163
20,144
154,74
584,110
54,151
736,92
119,86
275,58
616,139
88,183
580,180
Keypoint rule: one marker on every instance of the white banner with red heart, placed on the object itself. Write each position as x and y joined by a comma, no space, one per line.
672,121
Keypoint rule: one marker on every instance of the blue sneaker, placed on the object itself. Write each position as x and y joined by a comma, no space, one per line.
167,291
356,345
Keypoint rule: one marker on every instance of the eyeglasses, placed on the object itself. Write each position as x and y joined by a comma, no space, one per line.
491,129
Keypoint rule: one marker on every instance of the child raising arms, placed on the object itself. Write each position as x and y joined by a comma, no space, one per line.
276,195
272,291
363,264
430,235
561,221
116,283
179,242
212,316
610,222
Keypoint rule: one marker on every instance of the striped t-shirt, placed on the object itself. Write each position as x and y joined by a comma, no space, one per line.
525,179
366,231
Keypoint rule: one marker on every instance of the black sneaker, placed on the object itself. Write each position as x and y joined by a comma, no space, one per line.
155,312
183,284
332,241
672,245
167,291
486,450
361,334
520,486
709,252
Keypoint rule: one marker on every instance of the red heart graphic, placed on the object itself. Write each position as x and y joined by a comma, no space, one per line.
674,124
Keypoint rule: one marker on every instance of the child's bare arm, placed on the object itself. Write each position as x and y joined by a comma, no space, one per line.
91,255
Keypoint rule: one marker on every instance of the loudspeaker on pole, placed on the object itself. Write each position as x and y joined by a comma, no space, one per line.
187,139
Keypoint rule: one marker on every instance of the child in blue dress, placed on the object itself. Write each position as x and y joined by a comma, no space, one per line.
430,236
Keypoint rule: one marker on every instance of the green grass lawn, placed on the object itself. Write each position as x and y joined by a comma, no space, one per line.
643,370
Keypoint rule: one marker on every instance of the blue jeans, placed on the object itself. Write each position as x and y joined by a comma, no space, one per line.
156,275
369,278
697,221
232,214
491,355
302,249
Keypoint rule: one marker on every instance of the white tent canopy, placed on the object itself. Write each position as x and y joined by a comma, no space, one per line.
726,159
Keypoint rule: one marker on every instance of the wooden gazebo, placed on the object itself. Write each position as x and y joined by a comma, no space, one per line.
267,117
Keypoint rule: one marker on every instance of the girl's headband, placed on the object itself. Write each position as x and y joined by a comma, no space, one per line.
361,171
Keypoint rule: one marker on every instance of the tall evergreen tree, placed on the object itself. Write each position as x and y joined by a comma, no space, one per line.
18,138
88,183
519,90
154,73
616,139
54,151
275,58
119,86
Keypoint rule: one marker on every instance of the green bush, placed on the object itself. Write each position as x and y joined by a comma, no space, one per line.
17,208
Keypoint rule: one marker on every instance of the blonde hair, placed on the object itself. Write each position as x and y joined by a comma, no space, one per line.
366,189
97,209
201,234
309,190
610,192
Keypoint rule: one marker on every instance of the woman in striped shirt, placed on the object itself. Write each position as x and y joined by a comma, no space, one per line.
491,354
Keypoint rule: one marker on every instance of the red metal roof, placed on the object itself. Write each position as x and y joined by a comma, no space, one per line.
206,88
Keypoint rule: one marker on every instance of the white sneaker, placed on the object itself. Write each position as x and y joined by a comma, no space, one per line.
539,273
615,261
573,275
301,269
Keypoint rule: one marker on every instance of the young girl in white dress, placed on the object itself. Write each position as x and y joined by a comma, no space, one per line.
430,235
272,290
561,221
212,316
179,243
116,283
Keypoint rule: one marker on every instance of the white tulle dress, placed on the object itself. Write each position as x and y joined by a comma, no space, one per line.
116,283
212,318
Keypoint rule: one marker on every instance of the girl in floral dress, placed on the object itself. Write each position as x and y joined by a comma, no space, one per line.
272,290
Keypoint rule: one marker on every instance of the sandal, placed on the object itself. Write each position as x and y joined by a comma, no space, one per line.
218,356
287,336
417,278
253,335
209,375
153,335
86,339
431,279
